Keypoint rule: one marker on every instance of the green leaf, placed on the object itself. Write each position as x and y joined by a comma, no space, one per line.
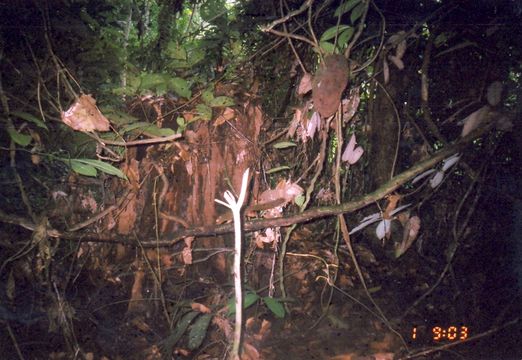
345,7
19,138
30,117
181,87
327,47
118,117
277,169
181,327
196,55
204,112
249,300
345,36
284,145
275,306
156,131
151,81
83,166
198,331
135,126
175,51
207,96
180,121
299,200
222,101
83,169
331,32
357,12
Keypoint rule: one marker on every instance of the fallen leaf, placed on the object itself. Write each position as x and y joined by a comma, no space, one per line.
352,154
474,120
305,85
436,179
84,115
200,308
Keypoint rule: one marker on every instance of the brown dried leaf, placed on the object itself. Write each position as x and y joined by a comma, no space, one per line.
386,71
351,105
84,115
201,308
392,204
329,83
296,121
227,115
305,85
411,231
11,286
474,120
186,255
249,352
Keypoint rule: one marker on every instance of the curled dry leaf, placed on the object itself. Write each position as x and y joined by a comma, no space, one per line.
494,93
383,229
397,62
475,120
200,308
411,231
313,125
386,71
436,179
351,105
284,190
449,162
296,121
393,199
269,237
227,115
186,253
352,154
305,85
84,115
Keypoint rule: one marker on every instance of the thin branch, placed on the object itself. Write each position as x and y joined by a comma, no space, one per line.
303,8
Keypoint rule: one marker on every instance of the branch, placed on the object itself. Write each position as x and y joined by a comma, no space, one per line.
250,226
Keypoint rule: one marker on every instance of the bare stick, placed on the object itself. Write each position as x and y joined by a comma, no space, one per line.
236,212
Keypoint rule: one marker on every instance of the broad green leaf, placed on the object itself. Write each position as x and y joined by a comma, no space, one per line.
249,300
207,96
97,165
198,331
118,117
441,39
275,306
357,12
222,101
175,51
31,118
327,47
83,169
196,55
151,81
180,121
345,36
331,32
345,7
181,327
299,200
284,145
204,112
131,127
19,138
277,169
156,131
181,87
